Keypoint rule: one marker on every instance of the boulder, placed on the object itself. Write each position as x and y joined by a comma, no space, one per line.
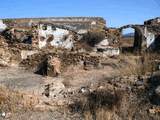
54,67
157,91
2,26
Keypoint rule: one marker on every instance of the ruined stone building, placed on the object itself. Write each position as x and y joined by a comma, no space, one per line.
152,32
147,36
69,32
43,30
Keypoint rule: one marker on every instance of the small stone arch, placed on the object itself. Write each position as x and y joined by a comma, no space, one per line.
138,36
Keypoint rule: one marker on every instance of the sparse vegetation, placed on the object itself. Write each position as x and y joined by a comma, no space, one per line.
141,66
97,104
93,37
9,101
85,79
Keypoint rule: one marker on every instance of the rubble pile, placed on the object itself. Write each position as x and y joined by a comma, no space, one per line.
113,36
18,35
3,43
76,63
41,61
48,33
5,56
124,97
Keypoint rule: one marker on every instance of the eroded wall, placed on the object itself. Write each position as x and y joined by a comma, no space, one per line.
56,37
145,35
25,31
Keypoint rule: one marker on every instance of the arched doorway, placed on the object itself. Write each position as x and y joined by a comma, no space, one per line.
127,38
131,37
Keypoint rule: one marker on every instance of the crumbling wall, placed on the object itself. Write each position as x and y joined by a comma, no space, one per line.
18,36
155,21
40,62
150,38
113,35
50,35
5,56
69,32
152,32
139,38
59,32
8,55
76,23
105,42
110,45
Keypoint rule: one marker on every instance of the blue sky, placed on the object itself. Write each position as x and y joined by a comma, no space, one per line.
116,12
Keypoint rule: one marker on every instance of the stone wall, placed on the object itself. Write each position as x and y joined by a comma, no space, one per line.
155,21
146,36
77,23
39,62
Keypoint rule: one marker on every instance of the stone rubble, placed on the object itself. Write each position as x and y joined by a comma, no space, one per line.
38,59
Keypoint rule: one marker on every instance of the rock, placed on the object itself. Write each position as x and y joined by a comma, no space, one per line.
26,53
8,115
54,67
103,43
61,102
54,90
139,83
3,114
40,107
30,100
5,57
157,91
154,110
2,26
84,90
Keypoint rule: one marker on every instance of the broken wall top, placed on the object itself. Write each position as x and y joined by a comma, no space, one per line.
153,25
76,23
155,21
154,29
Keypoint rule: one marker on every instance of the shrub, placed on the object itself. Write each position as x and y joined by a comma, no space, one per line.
141,66
93,37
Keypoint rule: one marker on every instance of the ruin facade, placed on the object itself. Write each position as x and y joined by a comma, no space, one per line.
147,35
76,63
67,32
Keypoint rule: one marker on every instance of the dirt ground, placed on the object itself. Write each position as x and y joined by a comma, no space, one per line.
116,90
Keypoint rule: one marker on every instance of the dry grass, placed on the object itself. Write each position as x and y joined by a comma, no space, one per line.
127,42
9,101
13,101
101,114
140,66
98,105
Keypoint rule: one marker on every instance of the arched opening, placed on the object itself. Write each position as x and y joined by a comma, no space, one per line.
131,39
127,37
